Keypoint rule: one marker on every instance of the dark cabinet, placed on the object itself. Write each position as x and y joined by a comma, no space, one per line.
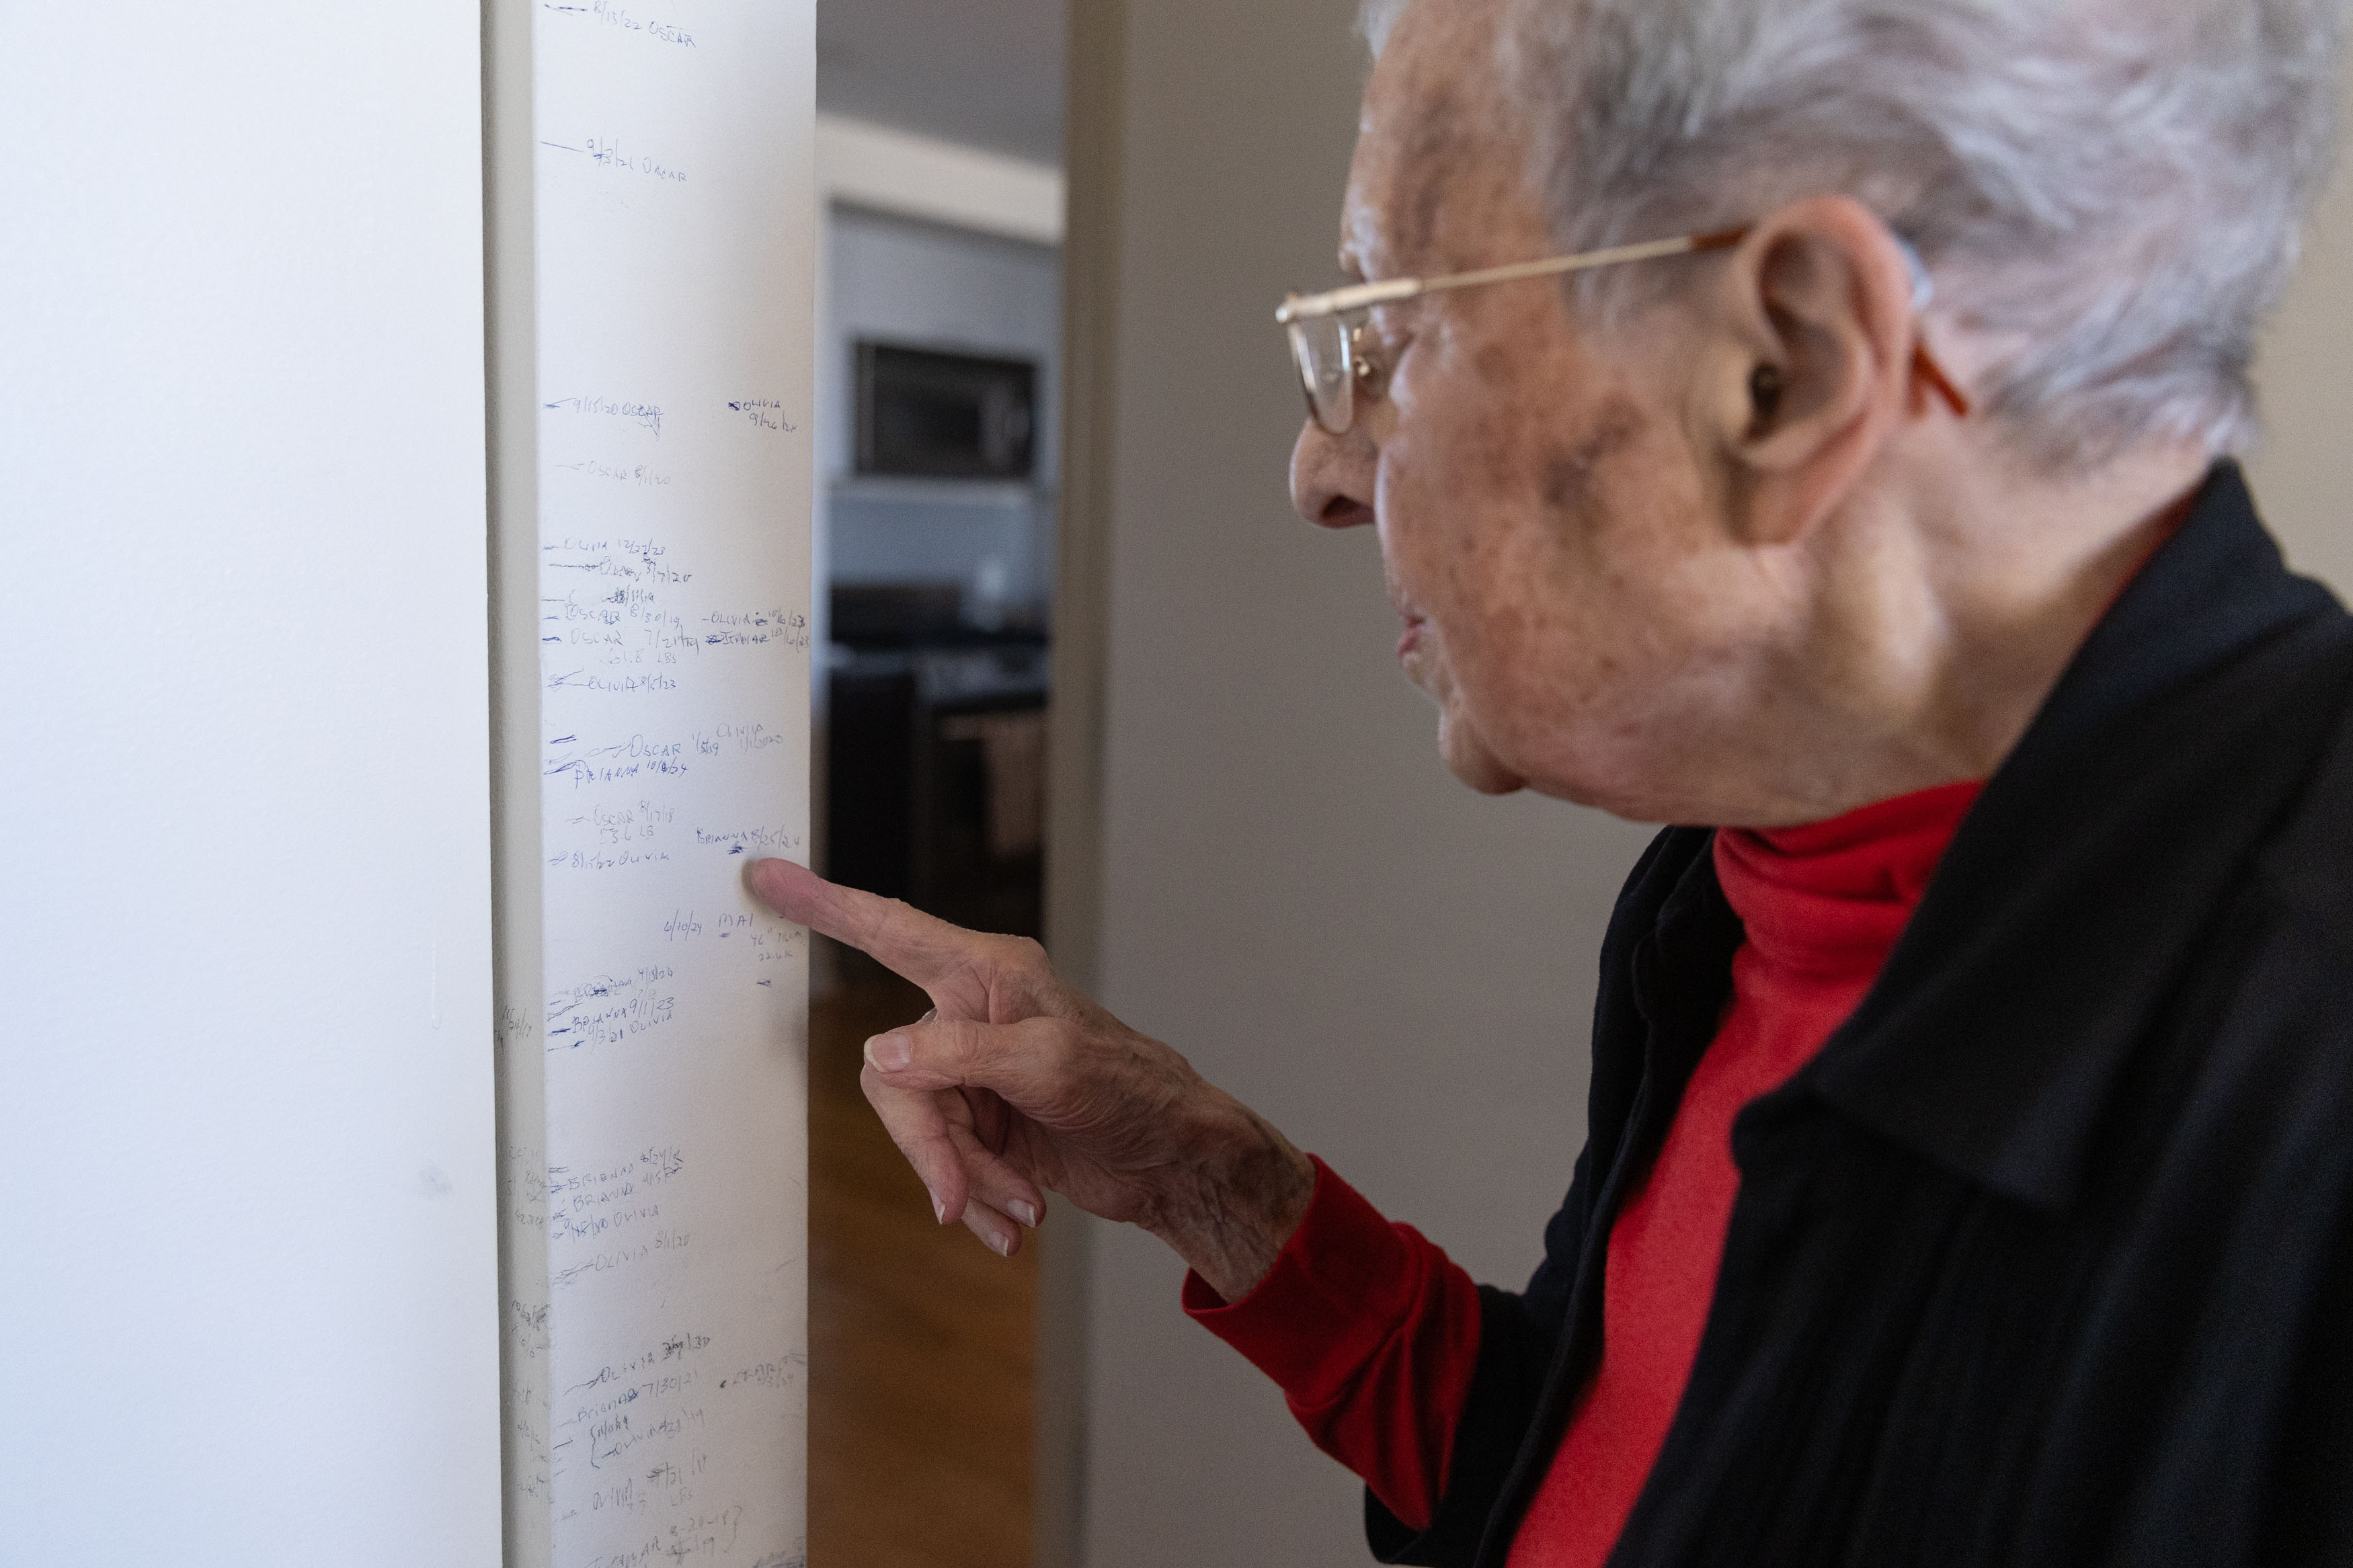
935,780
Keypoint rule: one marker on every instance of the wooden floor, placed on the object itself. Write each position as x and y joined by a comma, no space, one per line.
922,1358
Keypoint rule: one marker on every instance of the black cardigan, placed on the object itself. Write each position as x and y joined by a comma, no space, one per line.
2047,1257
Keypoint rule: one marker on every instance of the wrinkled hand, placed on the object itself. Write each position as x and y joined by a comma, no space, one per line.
1016,1081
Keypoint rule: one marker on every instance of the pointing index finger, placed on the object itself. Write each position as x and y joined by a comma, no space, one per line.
921,947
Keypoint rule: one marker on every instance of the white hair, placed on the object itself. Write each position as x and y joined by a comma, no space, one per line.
2115,187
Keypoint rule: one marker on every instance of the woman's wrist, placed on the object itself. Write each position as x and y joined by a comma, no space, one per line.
1234,1207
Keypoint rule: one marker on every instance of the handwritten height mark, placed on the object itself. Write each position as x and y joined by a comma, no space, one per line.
639,474
622,760
608,154
625,685
760,627
764,412
648,415
770,840
613,15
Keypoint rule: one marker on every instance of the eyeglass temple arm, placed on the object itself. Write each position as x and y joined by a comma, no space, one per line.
1363,295
1925,365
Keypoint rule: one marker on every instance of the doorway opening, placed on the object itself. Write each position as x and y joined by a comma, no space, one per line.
937,431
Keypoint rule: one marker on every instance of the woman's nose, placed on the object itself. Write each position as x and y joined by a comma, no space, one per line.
1332,477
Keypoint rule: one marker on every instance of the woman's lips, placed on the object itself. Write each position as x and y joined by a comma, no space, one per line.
1410,639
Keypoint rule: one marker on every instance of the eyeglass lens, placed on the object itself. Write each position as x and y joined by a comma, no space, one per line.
1326,370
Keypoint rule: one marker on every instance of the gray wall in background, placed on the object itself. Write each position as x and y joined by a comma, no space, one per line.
982,73
2303,472
1294,892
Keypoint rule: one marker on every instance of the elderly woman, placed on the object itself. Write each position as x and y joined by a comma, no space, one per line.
1970,1169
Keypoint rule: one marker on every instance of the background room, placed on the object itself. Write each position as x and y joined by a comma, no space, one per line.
1076,669
938,442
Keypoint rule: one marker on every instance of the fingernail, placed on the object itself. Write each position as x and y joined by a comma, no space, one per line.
1003,1244
889,1053
1025,1213
939,1209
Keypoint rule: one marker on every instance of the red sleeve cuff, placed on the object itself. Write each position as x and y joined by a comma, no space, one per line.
1373,1337
1342,1284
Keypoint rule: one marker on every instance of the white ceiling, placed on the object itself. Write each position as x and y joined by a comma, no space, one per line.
987,73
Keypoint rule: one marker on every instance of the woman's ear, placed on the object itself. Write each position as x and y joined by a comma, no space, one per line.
1819,318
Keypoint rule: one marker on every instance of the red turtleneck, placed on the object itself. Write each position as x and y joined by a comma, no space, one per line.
1373,1333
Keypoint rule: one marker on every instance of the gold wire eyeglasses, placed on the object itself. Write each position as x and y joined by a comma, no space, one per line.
1327,330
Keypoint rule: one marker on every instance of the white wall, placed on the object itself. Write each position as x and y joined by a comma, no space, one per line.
1399,972
247,1223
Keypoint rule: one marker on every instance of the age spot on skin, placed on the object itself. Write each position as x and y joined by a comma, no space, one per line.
1569,473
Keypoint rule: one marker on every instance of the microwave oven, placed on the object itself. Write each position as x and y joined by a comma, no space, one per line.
926,413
